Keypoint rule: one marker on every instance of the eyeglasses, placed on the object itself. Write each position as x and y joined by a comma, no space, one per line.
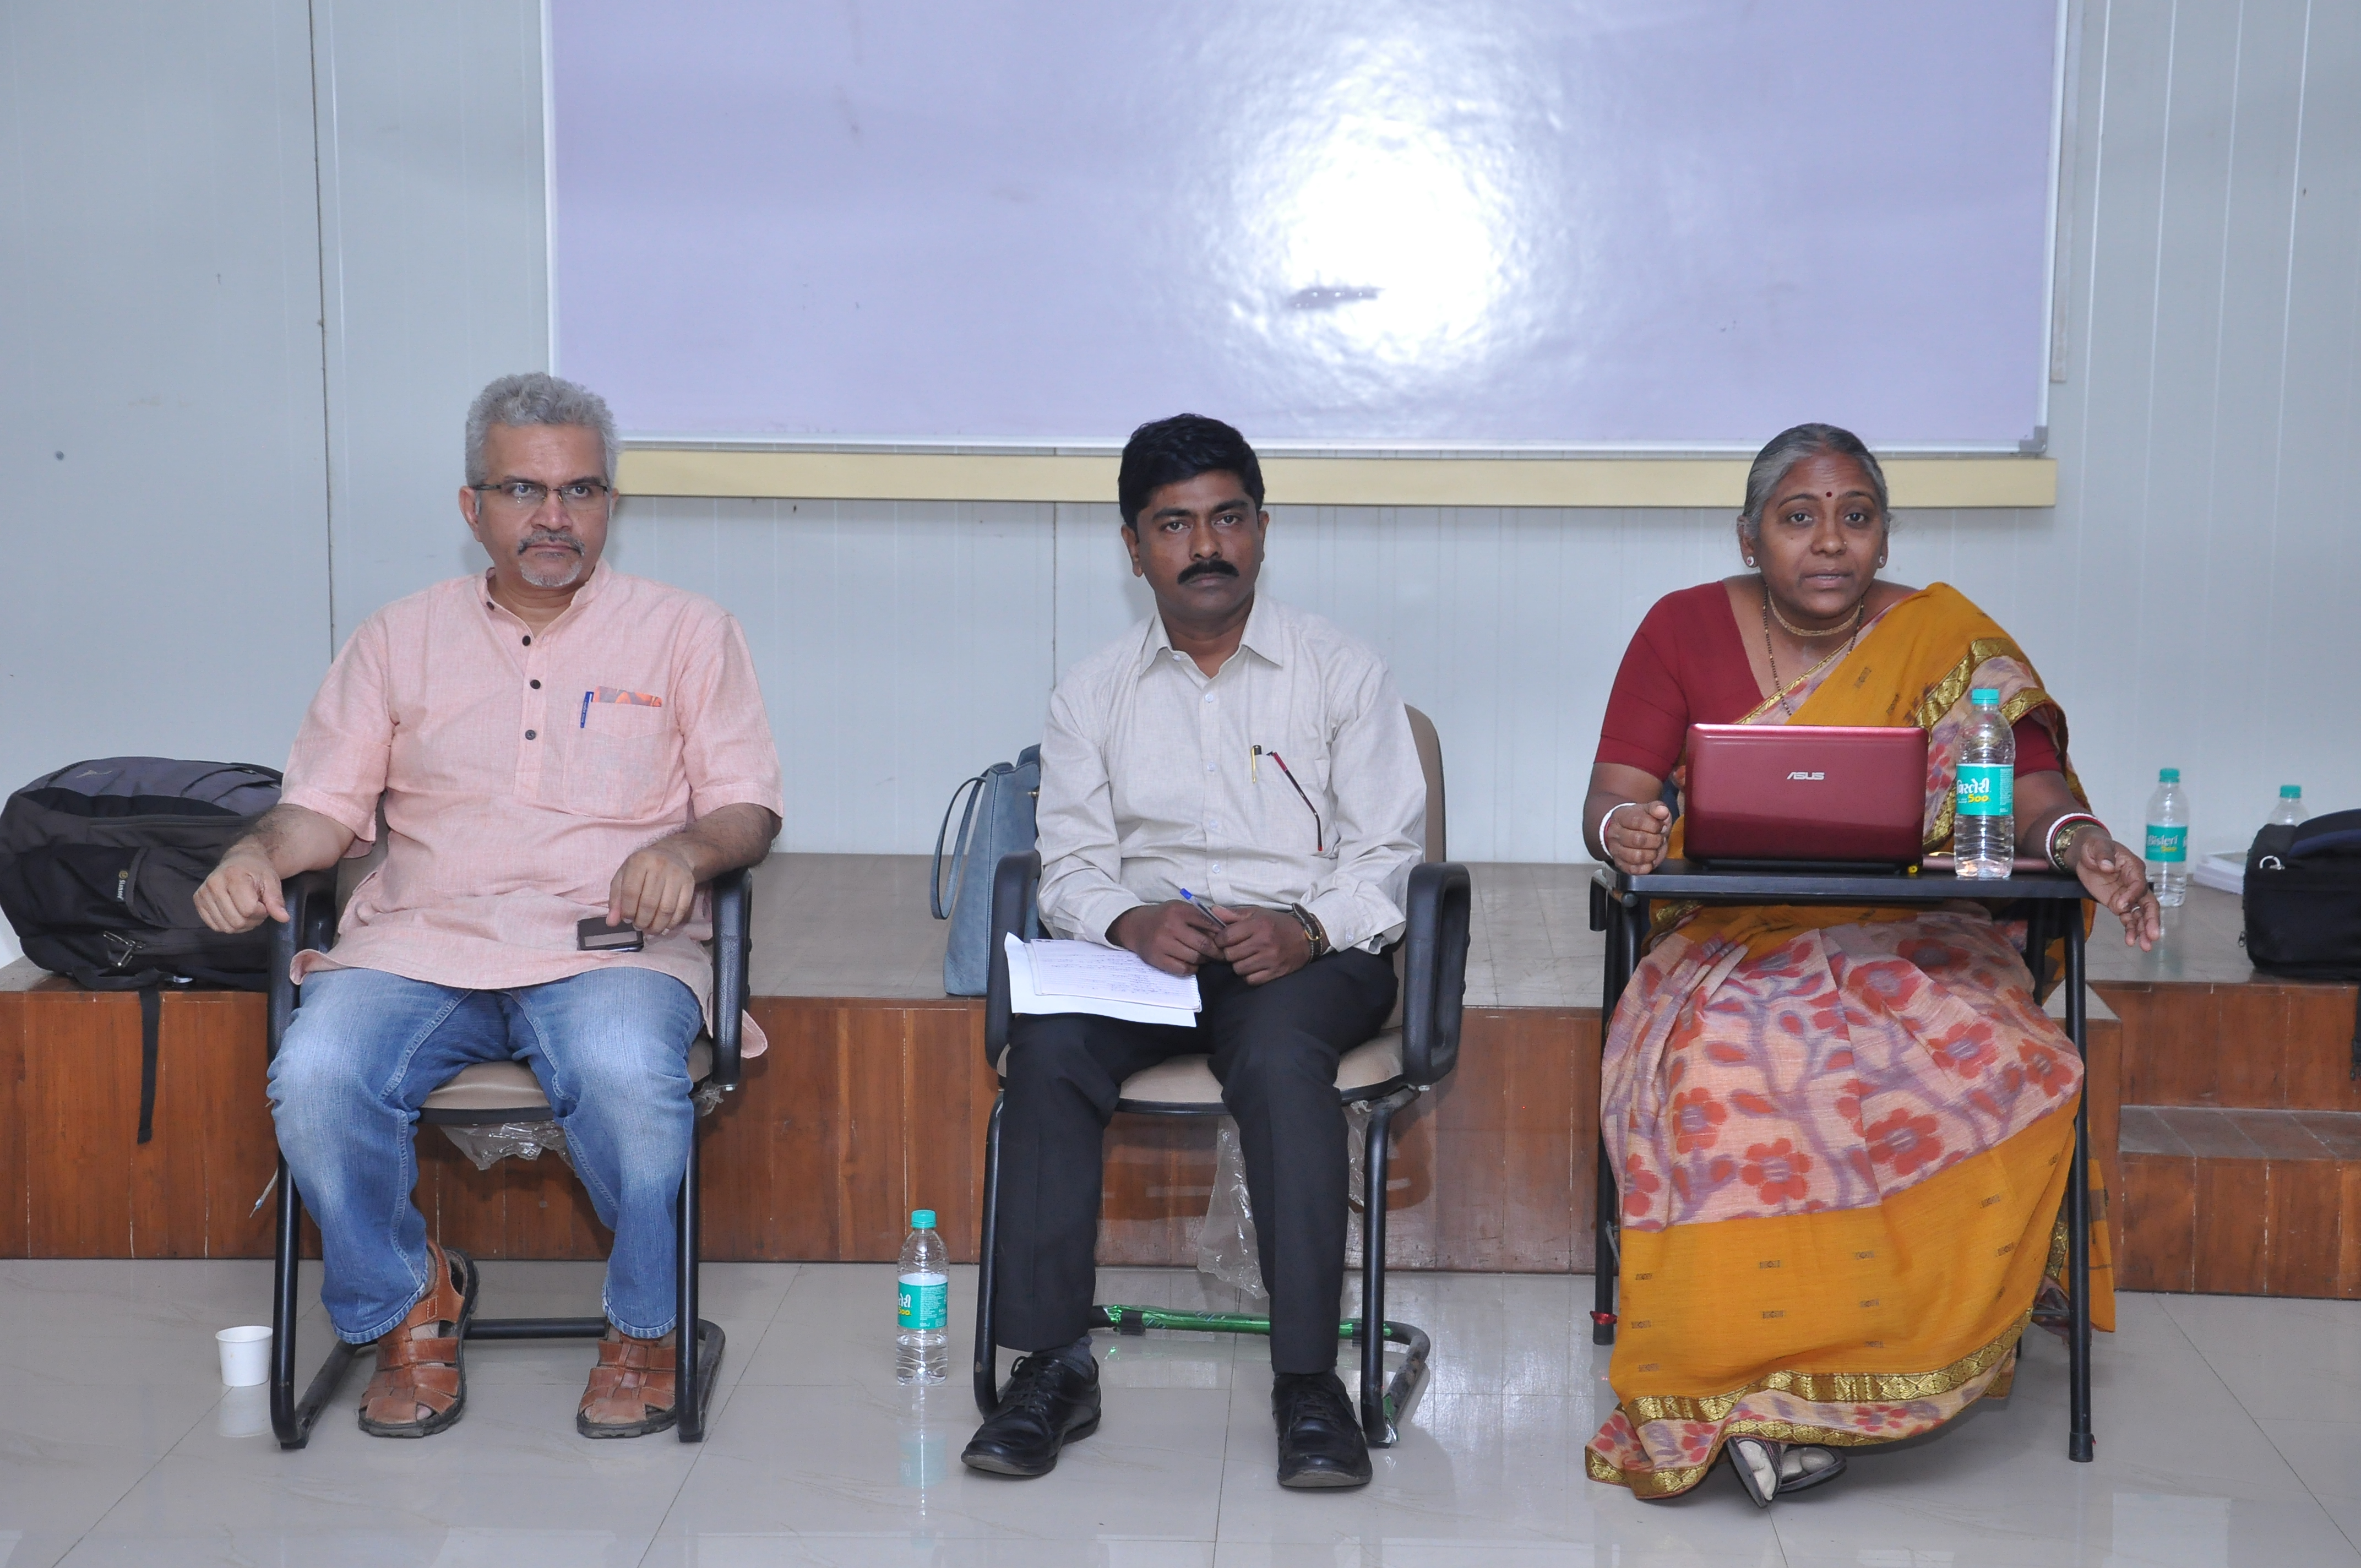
1319,833
582,497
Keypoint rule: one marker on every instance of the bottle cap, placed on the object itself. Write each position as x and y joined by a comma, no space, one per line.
1985,696
2290,791
922,1219
2167,775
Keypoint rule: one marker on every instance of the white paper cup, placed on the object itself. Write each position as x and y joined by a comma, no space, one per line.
245,1355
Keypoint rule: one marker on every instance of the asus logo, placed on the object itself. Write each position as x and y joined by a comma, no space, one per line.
1807,778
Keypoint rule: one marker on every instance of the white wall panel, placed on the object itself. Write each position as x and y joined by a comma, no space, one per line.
2207,424
162,499
903,647
435,278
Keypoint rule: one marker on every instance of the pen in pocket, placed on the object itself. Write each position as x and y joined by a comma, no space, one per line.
584,722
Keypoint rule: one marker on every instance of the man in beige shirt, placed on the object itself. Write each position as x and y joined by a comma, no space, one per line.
553,743
1229,790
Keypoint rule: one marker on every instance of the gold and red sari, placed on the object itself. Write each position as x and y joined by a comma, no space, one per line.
1842,1135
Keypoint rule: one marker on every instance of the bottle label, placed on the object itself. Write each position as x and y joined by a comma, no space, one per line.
926,1302
1987,789
2168,846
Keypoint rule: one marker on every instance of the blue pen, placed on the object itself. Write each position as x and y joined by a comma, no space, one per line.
1209,914
584,722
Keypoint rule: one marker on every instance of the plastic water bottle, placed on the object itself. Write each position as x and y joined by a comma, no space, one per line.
2168,839
922,1338
1983,825
2289,810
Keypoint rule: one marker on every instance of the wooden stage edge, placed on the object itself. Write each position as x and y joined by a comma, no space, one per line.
2221,1113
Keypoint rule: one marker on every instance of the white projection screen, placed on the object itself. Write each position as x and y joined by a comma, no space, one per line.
1495,224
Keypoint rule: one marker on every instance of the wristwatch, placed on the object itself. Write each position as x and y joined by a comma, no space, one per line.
1313,932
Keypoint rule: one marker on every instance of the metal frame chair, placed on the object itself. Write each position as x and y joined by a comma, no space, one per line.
1386,1074
1619,906
492,1094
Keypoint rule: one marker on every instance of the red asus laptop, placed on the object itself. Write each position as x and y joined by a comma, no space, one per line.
1794,794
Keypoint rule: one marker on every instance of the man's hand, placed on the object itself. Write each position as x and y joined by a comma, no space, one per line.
242,891
655,889
2118,879
1262,944
1174,936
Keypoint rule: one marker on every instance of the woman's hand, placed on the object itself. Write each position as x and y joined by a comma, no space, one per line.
2118,879
1635,835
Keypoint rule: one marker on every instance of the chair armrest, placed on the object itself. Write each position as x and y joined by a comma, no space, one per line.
733,948
1013,880
1434,969
311,900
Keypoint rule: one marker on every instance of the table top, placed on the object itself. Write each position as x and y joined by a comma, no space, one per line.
1686,880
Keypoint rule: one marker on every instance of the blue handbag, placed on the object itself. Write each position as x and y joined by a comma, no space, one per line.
998,821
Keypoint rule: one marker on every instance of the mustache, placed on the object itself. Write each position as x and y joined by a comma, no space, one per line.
540,536
1212,566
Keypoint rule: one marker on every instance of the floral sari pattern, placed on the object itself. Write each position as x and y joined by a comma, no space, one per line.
1845,1065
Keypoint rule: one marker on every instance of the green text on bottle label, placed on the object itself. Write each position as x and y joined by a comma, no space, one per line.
2168,845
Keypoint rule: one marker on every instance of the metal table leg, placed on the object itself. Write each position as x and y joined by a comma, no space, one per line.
2080,1443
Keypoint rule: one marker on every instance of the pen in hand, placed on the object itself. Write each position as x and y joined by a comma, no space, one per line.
1194,902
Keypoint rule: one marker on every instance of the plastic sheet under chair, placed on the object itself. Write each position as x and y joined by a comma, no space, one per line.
487,1145
511,1086
1226,1246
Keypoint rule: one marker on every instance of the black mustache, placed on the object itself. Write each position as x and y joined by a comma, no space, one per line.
1214,566
542,536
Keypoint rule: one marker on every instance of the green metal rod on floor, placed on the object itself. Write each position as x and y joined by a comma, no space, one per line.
1398,1387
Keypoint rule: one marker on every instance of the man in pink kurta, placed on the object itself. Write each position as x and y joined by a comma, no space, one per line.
551,742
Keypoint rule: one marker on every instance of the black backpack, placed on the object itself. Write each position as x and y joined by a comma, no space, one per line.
2303,904
99,869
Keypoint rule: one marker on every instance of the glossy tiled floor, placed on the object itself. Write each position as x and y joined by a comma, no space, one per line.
2229,1432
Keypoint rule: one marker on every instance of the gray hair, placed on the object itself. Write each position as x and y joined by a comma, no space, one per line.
1790,448
537,398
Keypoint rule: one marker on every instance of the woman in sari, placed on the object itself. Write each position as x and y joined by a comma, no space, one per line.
1842,1134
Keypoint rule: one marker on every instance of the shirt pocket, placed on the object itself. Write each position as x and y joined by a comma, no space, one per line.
621,762
1287,816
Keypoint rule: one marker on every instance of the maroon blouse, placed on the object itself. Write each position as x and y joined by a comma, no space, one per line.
1686,666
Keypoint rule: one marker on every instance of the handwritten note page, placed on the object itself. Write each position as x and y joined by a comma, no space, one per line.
1050,976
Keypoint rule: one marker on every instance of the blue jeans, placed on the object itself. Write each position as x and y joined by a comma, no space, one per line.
610,1049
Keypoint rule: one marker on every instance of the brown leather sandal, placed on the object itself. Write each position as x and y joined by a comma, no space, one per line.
633,1389
421,1363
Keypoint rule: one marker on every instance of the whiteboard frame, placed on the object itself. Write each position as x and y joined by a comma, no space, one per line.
1390,450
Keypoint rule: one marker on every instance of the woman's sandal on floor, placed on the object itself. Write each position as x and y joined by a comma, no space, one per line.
1769,1470
421,1364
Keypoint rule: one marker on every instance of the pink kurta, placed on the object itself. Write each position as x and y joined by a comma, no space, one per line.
519,770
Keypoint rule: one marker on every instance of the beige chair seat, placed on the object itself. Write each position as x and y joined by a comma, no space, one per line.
1190,1080
511,1086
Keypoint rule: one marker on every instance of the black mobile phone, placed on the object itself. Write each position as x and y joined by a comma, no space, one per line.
595,935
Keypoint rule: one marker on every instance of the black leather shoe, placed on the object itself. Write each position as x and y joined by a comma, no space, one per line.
1048,1404
1320,1440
